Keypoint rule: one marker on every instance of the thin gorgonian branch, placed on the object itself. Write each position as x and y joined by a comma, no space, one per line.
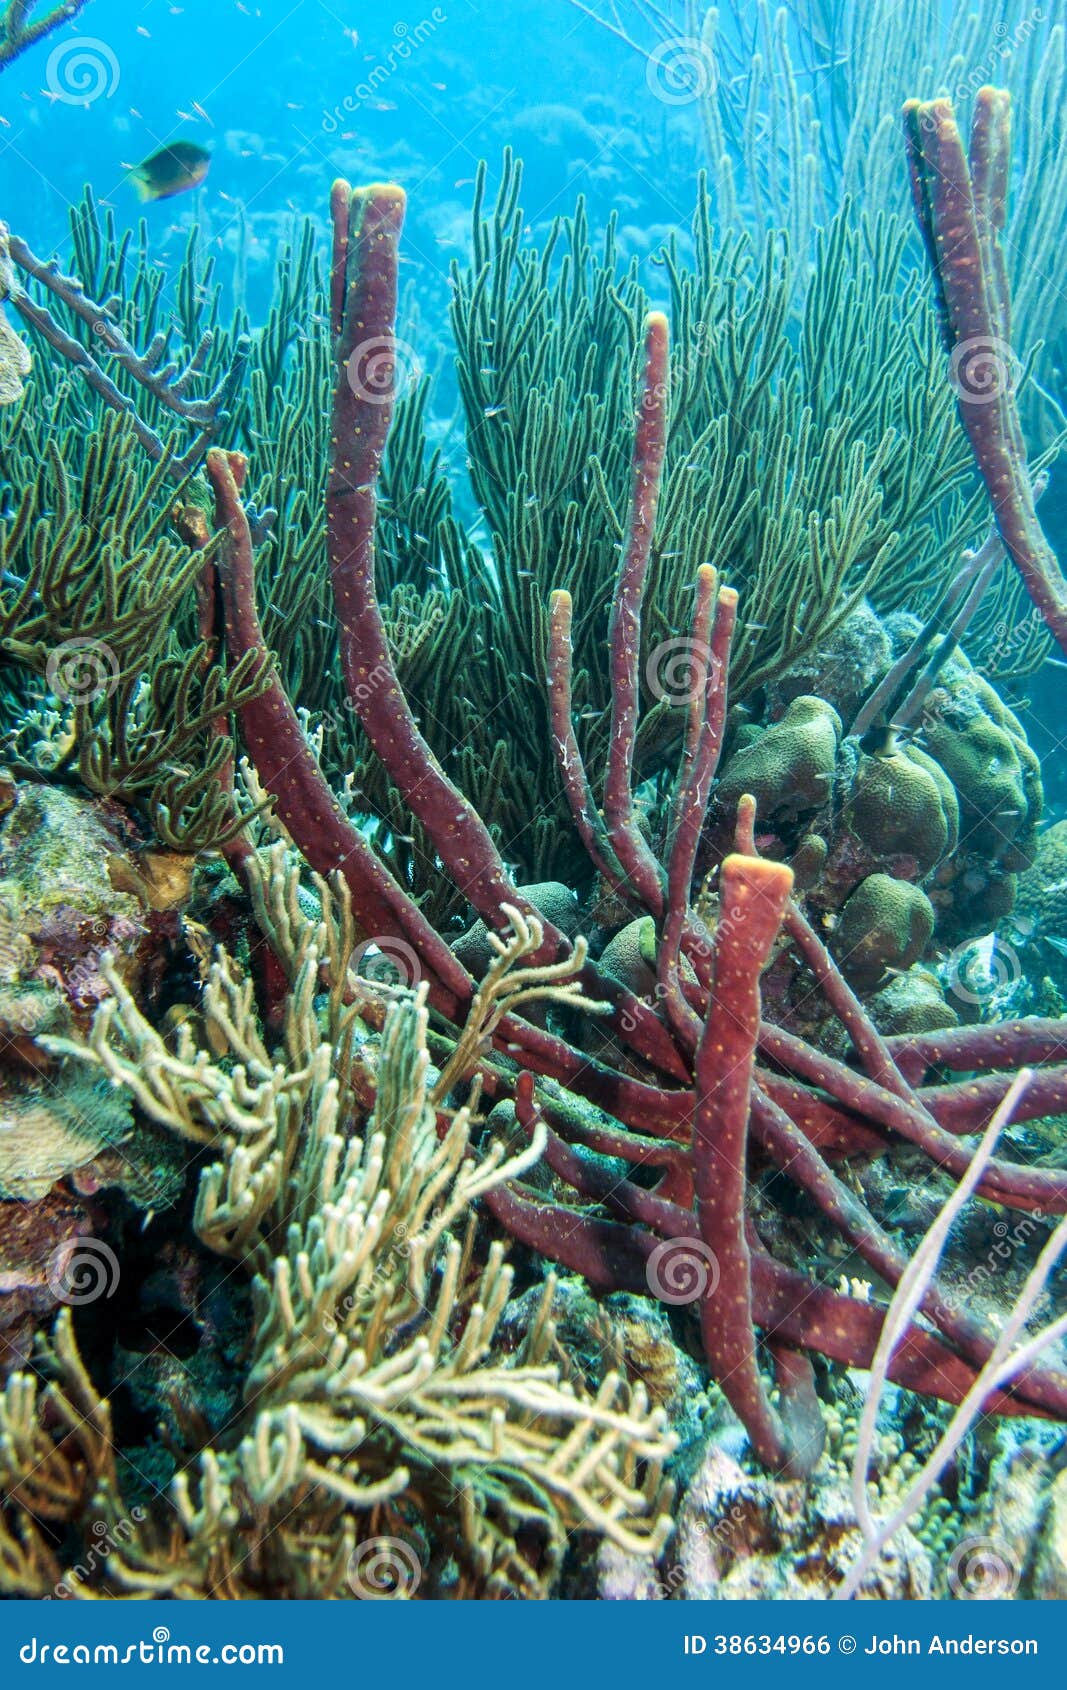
17,32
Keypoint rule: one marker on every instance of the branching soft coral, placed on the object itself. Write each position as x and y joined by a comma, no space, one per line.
377,1403
94,589
20,30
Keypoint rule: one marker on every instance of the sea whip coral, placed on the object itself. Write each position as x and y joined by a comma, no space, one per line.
717,1075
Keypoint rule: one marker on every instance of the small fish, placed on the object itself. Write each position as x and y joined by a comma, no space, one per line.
171,170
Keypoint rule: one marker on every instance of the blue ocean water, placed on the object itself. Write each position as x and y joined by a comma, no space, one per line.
288,96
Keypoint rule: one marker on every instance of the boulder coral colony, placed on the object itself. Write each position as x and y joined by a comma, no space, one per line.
288,1143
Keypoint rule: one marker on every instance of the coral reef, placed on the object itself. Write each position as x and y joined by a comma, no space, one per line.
674,1029
607,1251
950,806
748,1536
376,1407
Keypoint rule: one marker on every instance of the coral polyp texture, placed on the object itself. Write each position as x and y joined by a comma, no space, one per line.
442,1086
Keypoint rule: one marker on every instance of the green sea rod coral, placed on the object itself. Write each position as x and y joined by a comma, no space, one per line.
20,29
812,481
91,606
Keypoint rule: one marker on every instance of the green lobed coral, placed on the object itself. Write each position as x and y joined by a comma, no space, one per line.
885,923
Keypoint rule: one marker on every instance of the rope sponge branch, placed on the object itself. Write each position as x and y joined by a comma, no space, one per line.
650,445
287,765
362,412
753,896
959,201
367,224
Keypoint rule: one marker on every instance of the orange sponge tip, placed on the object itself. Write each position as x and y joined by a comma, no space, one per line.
774,880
